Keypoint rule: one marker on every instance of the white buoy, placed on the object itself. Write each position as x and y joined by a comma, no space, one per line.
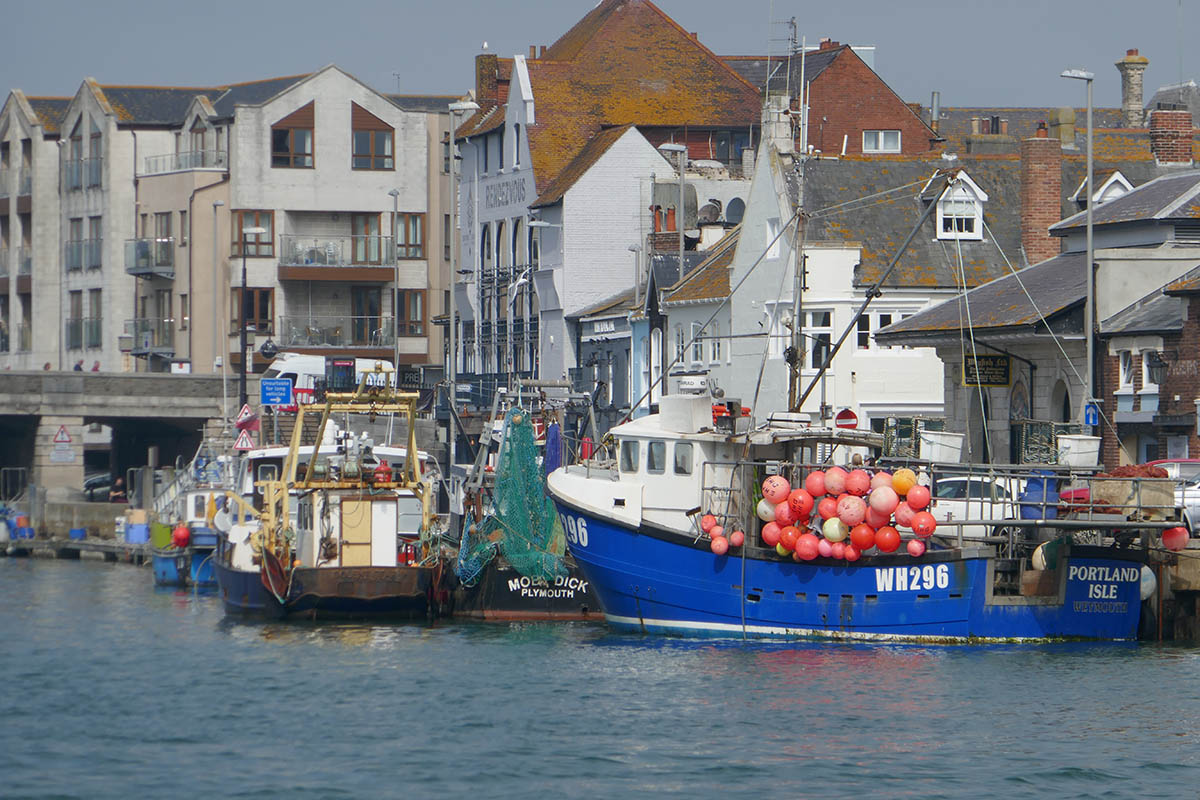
1149,583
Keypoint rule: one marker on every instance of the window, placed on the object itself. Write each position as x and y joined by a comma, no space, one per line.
183,228
74,163
1126,357
483,149
656,457
500,149
869,322
516,145
446,154
679,344
75,321
1149,385
410,321
372,140
818,336
91,325
960,210
446,237
697,343
261,244
715,347
93,248
259,309
629,456
184,312
410,236
365,239
881,141
74,250
292,139
683,458
198,132
95,159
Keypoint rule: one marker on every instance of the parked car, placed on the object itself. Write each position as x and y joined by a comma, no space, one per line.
1180,469
95,487
975,497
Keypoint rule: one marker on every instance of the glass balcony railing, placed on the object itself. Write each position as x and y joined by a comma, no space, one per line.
25,261
3,261
24,337
93,170
72,175
192,159
73,255
25,182
150,257
92,253
336,331
336,251
73,334
91,332
4,190
151,335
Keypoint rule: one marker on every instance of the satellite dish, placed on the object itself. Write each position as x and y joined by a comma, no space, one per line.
735,210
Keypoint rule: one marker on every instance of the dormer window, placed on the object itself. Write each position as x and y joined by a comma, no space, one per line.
881,141
960,210
1110,188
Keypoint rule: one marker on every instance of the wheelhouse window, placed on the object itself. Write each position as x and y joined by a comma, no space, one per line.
257,244
292,139
257,313
629,456
373,140
683,458
881,141
656,457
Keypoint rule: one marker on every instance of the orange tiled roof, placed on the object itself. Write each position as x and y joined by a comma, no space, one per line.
625,62
597,146
709,281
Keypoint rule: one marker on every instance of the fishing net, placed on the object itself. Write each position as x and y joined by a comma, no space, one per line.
522,524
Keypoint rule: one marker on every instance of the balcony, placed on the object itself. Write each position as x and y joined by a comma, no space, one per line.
336,332
317,257
24,337
91,332
25,182
25,261
93,169
92,250
151,336
72,175
73,334
150,258
192,159
73,255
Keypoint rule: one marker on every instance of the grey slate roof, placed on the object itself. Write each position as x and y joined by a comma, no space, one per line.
756,69
50,111
1185,95
1156,313
954,123
152,105
251,93
1056,285
429,103
1170,196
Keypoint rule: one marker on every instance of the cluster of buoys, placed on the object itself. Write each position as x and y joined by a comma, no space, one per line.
842,514
718,541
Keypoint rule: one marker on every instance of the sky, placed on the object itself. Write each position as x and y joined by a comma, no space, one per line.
992,53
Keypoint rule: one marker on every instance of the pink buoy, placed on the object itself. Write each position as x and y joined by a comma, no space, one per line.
851,510
904,515
917,498
825,548
1175,539
707,522
881,479
802,503
835,480
884,499
887,539
862,537
923,524
719,545
858,482
807,547
717,530
737,539
784,514
877,520
839,549
827,508
852,553
916,548
770,534
814,484
775,488
788,537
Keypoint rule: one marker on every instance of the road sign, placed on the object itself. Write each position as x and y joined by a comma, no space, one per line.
63,436
1091,414
244,441
245,415
846,419
276,392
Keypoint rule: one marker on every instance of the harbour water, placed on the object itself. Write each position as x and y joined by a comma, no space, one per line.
114,689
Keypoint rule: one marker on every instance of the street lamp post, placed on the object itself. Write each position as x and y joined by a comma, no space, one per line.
395,194
246,234
462,107
1089,310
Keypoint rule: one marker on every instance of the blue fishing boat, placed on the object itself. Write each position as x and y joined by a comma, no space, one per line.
633,524
184,539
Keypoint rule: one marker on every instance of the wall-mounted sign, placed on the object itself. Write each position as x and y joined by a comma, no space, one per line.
989,370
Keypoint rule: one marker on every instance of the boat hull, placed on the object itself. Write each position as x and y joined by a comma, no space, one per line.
502,593
661,582
184,567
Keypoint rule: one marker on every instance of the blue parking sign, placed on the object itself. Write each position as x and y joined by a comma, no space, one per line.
276,392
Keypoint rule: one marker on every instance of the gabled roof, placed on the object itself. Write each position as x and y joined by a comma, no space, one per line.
757,69
253,92
50,111
1056,286
152,105
1155,313
625,62
596,147
1188,283
1171,196
710,280
617,305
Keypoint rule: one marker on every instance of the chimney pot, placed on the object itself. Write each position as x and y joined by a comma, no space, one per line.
1131,52
1042,133
1004,127
533,51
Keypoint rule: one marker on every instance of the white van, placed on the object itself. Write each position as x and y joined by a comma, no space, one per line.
304,370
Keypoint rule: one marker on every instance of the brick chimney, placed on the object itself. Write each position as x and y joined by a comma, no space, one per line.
1041,196
1171,136
1131,68
487,75
828,44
